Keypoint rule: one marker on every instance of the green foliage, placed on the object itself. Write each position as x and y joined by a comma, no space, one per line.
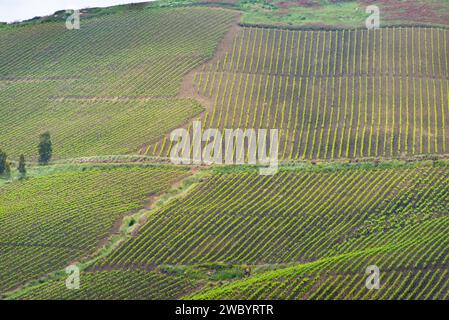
45,148
7,172
3,162
326,13
21,167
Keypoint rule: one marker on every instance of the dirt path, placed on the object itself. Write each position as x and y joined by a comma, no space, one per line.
187,89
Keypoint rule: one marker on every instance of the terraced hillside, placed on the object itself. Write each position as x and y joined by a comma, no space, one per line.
334,94
107,88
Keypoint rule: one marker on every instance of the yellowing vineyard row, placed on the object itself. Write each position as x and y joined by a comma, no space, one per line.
387,51
334,94
109,87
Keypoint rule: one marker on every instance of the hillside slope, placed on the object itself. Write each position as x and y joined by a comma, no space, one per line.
313,242
50,221
109,87
347,102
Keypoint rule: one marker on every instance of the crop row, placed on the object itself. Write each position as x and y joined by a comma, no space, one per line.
86,128
72,82
387,51
326,112
134,53
113,285
344,117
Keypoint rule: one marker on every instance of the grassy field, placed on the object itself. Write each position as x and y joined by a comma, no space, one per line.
341,14
291,14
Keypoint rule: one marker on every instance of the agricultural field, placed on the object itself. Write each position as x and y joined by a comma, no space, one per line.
327,14
109,87
78,125
57,219
411,269
308,214
113,285
334,94
312,250
363,172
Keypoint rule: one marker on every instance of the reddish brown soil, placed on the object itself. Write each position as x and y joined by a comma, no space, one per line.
411,12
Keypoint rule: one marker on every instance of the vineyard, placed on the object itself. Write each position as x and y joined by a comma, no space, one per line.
410,269
56,219
363,176
107,88
334,94
113,285
88,128
321,234
136,53
307,215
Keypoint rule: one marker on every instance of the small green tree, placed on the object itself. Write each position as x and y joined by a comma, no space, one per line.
8,170
3,157
45,148
22,168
